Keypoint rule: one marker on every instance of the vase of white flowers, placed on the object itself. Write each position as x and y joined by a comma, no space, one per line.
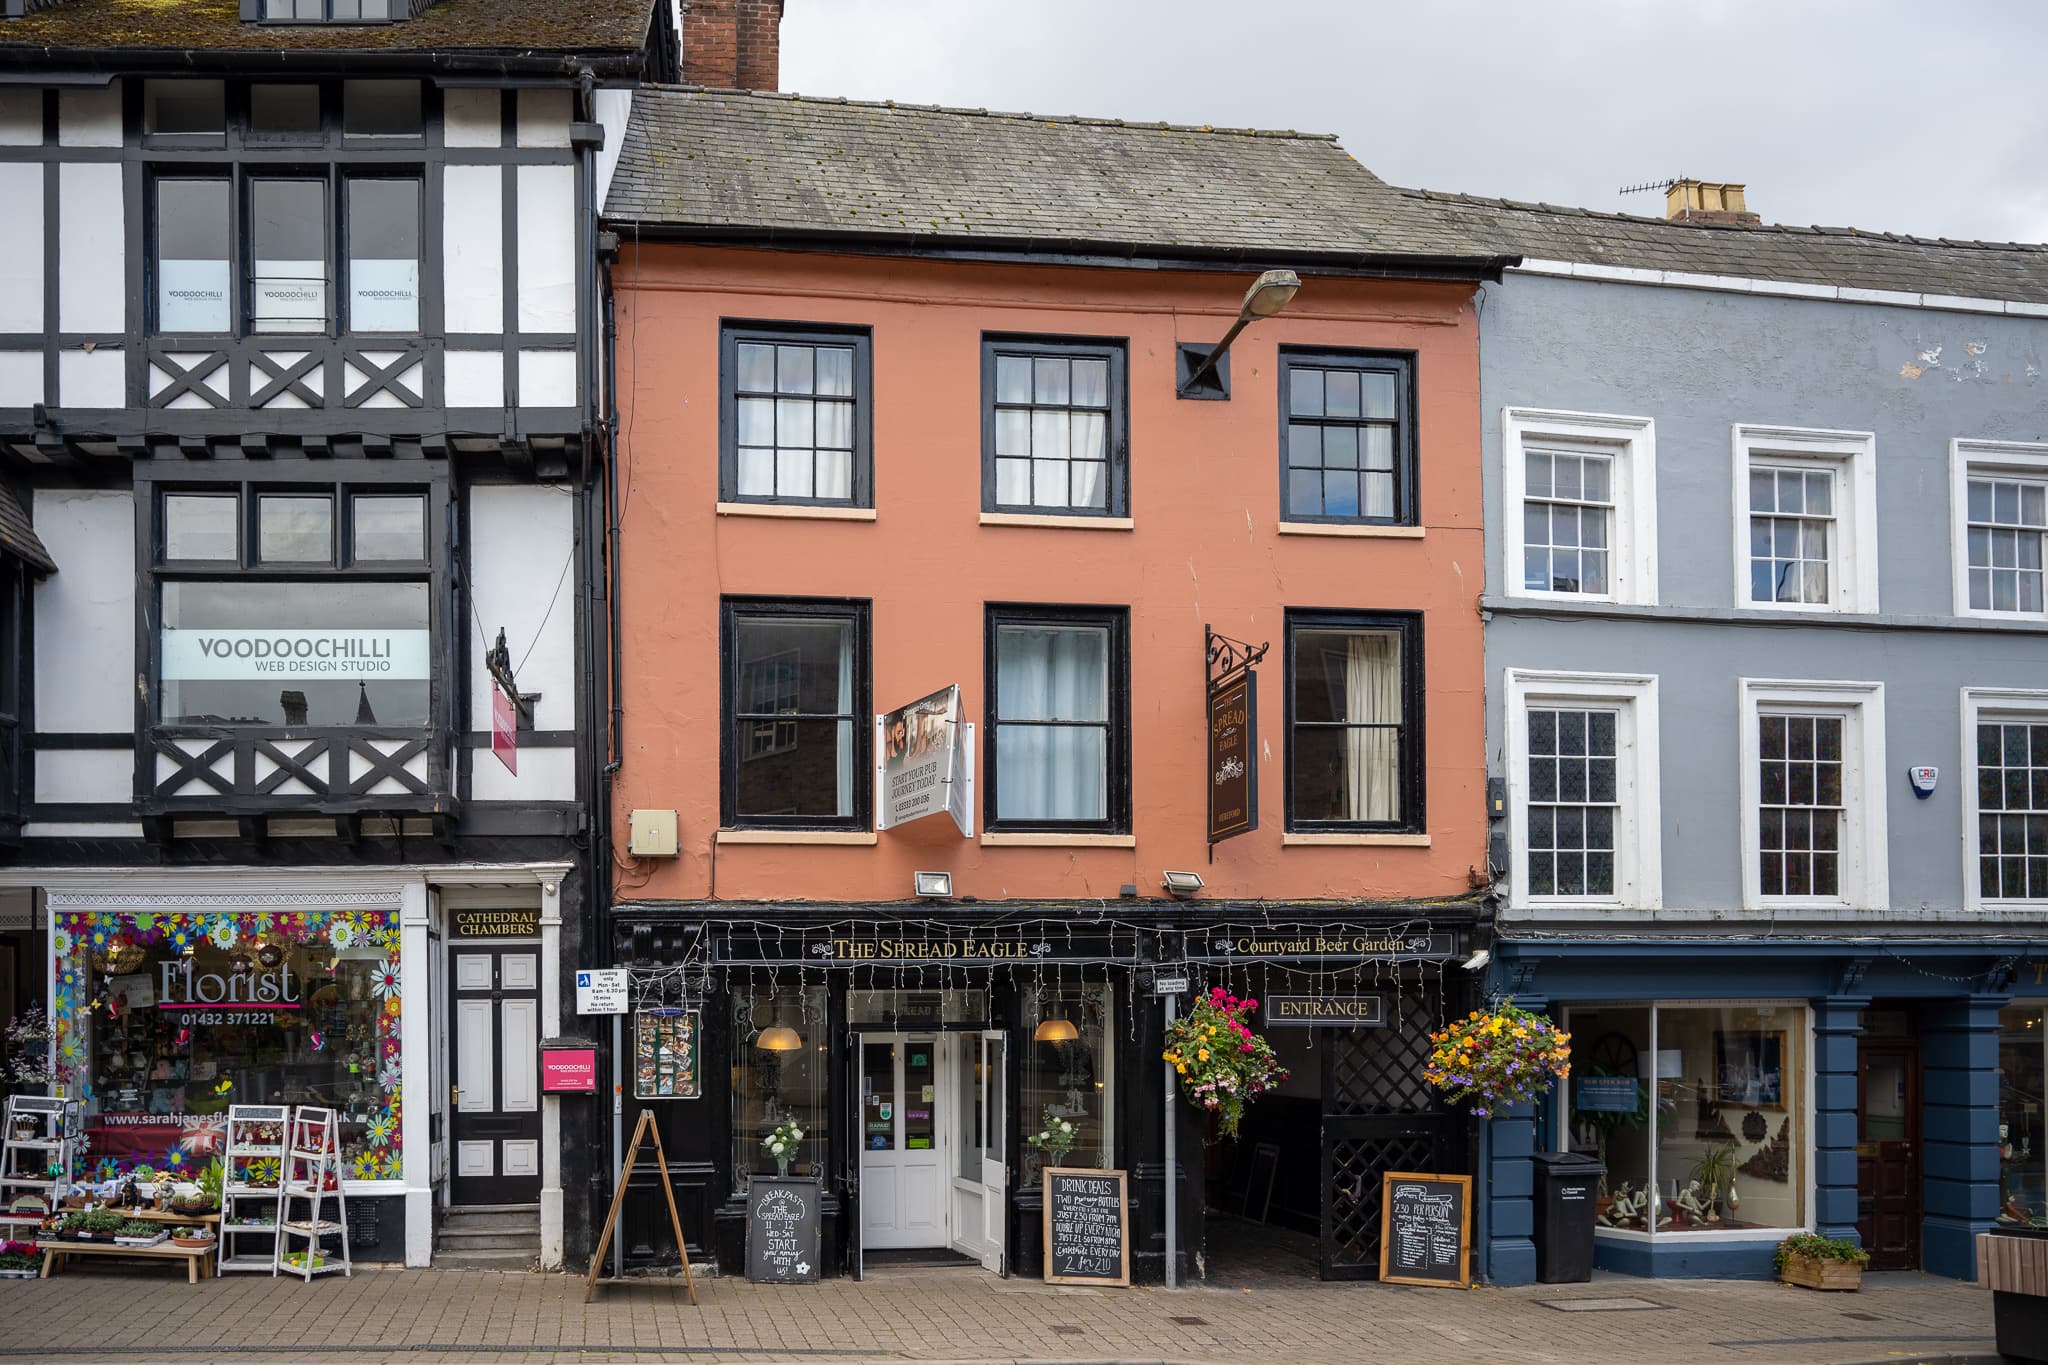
781,1143
1054,1139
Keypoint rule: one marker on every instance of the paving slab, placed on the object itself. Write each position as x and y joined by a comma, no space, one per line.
102,1313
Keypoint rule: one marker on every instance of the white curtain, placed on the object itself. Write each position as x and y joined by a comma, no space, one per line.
1052,772
1372,696
845,736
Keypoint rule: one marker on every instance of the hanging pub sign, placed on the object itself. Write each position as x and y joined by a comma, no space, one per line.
505,730
926,762
1233,734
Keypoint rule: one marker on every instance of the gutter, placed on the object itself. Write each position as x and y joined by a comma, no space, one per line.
57,65
1081,251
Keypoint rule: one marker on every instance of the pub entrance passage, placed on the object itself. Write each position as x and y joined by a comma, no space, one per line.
933,1135
1299,1193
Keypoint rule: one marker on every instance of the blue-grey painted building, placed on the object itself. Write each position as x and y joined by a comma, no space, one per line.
1768,730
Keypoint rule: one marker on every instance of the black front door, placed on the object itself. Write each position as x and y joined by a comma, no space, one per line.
1379,1115
495,1027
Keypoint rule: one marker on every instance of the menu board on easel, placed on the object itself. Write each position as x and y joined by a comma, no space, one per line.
1087,1236
665,1055
1426,1229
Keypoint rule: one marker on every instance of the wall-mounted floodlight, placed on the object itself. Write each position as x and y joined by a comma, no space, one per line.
1203,374
1480,957
1181,883
936,885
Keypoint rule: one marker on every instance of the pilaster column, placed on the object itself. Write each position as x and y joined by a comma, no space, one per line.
1837,1023
1958,1131
1507,1142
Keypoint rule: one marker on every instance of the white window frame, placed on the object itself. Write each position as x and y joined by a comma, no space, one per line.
1990,703
1852,558
1862,873
1632,539
1970,458
1638,832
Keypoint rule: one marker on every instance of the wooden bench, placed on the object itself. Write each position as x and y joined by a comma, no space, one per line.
196,1265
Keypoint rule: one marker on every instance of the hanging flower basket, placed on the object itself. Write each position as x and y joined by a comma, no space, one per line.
1497,1057
1220,1061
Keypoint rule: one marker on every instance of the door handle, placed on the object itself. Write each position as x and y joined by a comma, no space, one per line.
454,1096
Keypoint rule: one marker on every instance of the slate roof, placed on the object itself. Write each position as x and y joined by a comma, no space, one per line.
506,26
733,163
19,538
1844,257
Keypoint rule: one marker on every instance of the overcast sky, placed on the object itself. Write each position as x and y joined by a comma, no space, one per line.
1927,118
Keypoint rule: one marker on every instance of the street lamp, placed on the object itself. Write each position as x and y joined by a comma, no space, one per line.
1269,293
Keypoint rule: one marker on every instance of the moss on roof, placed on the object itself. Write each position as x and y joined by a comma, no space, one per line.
216,25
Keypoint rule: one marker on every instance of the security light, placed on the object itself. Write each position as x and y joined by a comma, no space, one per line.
937,885
1181,883
1480,957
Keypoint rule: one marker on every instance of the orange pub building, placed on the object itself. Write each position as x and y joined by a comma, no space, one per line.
1002,660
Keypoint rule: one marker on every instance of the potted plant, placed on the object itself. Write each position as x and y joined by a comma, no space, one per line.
1221,1063
192,1239
18,1261
1056,1139
1714,1173
94,1225
1817,1262
1497,1057
205,1197
136,1233
28,1060
781,1143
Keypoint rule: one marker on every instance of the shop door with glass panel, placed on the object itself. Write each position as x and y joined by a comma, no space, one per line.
980,1140
1887,1154
903,1182
495,1028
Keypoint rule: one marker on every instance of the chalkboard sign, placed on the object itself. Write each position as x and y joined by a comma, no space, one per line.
1087,1240
782,1230
1426,1229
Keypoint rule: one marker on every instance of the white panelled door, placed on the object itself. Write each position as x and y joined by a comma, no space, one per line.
903,1170
496,1096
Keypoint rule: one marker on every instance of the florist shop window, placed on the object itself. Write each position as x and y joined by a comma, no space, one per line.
1698,1112
164,1020
778,1076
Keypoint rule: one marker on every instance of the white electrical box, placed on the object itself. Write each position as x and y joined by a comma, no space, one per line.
651,833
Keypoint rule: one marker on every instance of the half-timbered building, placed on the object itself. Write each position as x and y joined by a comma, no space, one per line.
300,435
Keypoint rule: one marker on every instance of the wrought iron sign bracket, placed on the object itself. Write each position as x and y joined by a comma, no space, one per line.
1227,657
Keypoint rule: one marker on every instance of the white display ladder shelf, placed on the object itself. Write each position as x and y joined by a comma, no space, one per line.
25,1163
239,1201
312,1176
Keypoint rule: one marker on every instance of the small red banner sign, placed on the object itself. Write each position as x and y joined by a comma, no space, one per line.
568,1070
505,730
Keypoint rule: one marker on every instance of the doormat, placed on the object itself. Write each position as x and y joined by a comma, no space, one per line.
1616,1305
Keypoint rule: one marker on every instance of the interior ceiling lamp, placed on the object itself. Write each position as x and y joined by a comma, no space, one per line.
779,1038
1181,883
1056,1030
1270,292
934,885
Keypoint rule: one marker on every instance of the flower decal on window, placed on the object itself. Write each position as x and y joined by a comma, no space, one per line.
384,980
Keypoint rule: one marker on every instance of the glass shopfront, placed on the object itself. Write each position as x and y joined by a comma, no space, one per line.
778,1076
2022,1142
1070,1075
164,1020
1699,1112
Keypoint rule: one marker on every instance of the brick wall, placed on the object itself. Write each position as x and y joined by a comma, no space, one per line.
732,44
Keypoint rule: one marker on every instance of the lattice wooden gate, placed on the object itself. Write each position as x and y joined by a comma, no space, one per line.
1379,1115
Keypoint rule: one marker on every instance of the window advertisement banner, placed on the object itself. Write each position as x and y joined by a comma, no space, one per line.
921,758
192,296
243,655
289,296
383,296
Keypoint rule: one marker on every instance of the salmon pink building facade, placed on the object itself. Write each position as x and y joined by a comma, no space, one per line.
940,557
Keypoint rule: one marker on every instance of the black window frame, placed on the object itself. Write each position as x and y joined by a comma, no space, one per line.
1116,435
1414,740
1402,365
1116,749
860,612
731,333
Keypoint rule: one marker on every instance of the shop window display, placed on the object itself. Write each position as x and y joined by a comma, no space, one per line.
1070,1077
164,1020
1698,1112
778,1076
2022,1153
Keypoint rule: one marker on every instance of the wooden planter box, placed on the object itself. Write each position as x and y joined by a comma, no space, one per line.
1804,1270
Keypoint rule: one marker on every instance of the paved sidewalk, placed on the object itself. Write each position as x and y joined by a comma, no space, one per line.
107,1313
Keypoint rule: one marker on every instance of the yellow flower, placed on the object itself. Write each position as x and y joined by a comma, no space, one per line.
1179,1068
1202,1054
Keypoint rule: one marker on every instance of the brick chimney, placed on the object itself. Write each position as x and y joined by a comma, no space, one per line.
1698,201
732,44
